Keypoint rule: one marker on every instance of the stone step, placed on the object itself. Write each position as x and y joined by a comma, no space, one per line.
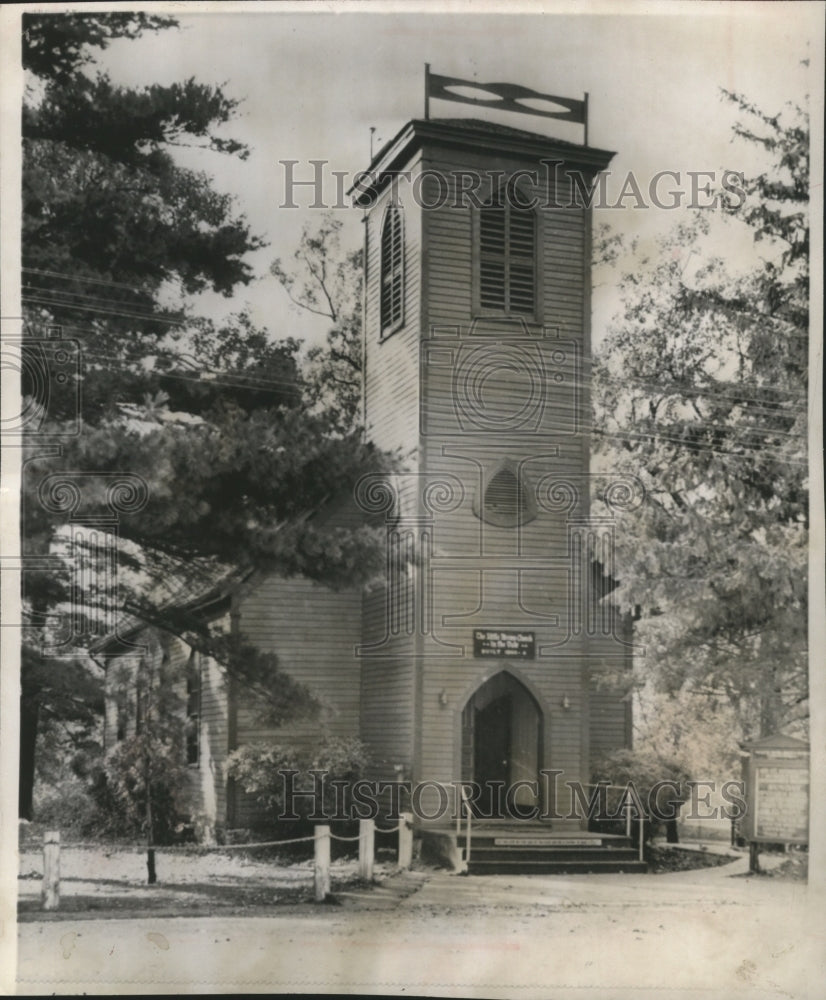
544,842
561,854
554,867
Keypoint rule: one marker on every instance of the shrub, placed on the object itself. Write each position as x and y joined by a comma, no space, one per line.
132,770
258,769
68,807
644,769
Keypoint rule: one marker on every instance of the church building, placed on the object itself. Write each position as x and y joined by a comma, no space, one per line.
486,653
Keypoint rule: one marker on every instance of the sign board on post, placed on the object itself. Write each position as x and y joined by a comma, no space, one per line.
776,774
489,642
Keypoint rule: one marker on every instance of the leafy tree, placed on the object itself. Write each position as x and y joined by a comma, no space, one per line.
681,737
142,776
700,390
328,282
117,237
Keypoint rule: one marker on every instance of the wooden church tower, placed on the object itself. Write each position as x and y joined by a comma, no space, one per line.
481,656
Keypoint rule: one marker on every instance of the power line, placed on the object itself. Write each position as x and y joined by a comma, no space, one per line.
69,276
698,425
251,381
30,288
110,312
96,304
747,453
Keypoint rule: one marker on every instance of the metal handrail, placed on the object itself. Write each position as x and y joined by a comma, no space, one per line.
627,809
469,813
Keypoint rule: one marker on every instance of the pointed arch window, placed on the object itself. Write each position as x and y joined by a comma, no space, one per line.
507,254
392,271
506,500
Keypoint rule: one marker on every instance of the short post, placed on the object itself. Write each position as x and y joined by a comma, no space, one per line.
367,843
754,862
405,840
628,821
322,863
642,821
51,870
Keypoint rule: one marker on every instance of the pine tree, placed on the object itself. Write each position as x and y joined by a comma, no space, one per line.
226,466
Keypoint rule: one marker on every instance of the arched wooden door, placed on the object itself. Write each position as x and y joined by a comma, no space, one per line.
502,744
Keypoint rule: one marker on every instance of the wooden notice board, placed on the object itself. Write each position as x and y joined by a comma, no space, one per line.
776,775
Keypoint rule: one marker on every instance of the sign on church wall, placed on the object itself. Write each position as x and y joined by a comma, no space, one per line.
501,643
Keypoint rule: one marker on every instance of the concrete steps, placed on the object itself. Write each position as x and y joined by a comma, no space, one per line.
527,849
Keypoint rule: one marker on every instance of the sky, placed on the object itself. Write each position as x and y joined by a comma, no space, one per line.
313,84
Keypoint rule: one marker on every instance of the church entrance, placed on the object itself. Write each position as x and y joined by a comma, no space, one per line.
502,745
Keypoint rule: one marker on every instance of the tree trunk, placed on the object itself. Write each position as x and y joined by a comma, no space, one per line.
151,875
672,835
769,708
29,717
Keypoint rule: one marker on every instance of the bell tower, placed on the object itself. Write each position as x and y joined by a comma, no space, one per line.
478,655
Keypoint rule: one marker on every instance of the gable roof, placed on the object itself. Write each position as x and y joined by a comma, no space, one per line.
777,742
208,604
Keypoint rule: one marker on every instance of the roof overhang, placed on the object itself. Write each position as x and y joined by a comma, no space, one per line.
473,136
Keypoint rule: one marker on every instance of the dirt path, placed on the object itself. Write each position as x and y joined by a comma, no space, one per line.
607,936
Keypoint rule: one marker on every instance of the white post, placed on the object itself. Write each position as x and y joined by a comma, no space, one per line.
367,838
405,840
51,870
322,863
467,829
628,821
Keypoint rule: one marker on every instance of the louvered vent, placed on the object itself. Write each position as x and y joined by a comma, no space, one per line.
505,496
492,281
507,250
392,270
506,500
521,246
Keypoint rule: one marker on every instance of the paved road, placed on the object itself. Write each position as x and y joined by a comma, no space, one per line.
611,936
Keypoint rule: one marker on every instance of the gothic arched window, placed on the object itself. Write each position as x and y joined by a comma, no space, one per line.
392,270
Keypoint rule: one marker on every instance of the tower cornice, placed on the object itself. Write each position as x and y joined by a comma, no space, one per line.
475,135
